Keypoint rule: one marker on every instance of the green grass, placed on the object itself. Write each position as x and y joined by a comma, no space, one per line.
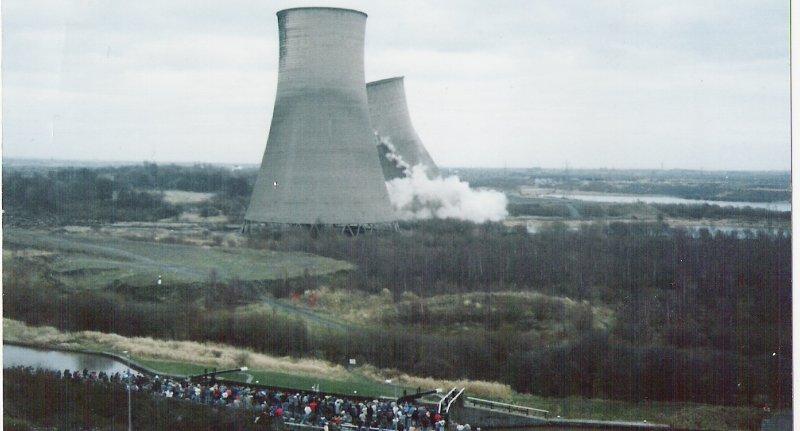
87,261
356,384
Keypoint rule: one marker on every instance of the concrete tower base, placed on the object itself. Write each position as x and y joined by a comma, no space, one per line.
250,227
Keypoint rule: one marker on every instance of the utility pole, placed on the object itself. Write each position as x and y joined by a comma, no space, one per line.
394,386
130,422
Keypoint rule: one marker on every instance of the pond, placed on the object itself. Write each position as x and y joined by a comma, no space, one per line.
57,360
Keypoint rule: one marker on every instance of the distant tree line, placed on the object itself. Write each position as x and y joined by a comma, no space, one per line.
449,256
196,178
710,185
231,187
591,210
716,212
131,193
539,209
78,195
127,193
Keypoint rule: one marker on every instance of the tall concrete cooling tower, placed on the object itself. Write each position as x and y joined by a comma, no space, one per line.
321,165
388,112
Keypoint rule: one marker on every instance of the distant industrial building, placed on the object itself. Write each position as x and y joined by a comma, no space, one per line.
321,164
391,120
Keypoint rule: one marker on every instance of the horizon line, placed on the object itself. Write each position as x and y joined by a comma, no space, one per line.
109,162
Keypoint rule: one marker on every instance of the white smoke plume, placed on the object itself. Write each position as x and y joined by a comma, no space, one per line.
393,155
417,196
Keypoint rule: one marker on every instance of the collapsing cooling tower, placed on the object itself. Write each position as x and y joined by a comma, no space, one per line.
321,165
389,115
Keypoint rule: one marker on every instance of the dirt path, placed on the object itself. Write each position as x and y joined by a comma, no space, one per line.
306,314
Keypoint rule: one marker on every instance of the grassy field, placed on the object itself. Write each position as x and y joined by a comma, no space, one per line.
83,260
357,384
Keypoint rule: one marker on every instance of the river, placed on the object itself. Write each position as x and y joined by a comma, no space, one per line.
693,229
654,199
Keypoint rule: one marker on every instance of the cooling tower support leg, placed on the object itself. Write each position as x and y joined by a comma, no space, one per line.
315,229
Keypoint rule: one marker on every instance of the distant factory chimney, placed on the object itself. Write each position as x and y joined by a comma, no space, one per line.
321,164
389,115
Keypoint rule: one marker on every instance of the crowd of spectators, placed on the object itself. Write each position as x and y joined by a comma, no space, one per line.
275,406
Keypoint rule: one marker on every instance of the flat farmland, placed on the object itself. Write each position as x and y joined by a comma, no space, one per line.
85,260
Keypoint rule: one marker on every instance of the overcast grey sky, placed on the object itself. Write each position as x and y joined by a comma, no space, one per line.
618,84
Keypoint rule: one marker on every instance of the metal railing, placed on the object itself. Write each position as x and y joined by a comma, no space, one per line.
342,426
444,398
495,405
454,399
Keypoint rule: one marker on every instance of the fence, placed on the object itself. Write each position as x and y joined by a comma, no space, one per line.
511,408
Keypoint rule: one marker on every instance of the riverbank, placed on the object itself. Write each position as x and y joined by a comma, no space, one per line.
179,357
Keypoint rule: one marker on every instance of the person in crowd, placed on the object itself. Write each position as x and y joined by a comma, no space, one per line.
273,406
